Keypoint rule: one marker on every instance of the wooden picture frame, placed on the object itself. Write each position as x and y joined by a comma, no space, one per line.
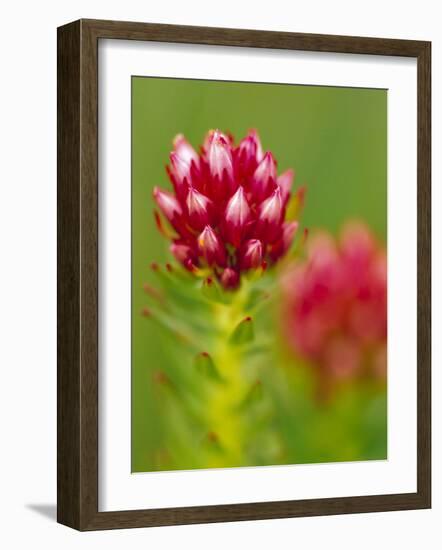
77,461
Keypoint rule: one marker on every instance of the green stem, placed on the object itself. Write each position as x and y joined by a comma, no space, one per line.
225,418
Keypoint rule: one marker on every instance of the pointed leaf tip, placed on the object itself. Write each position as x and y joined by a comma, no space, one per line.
161,378
153,292
243,333
256,298
205,366
212,441
254,395
145,312
211,290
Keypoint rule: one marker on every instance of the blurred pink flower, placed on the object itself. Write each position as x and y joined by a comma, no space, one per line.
228,206
335,304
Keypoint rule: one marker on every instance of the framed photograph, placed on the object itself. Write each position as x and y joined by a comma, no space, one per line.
243,274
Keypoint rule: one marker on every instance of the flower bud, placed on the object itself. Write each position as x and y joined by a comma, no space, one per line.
264,177
236,217
190,266
249,153
184,161
285,242
251,254
169,206
219,155
270,214
229,278
180,168
253,134
182,252
211,248
199,209
247,150
285,181
184,150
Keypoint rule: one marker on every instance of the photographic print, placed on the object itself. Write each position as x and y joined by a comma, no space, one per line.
259,274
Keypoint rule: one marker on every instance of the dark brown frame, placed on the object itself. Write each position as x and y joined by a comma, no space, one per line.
77,462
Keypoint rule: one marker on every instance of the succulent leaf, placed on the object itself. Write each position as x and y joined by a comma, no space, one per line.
243,332
205,366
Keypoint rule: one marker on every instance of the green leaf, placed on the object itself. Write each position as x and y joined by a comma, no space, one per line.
243,333
211,291
257,298
211,441
254,395
205,366
177,289
180,330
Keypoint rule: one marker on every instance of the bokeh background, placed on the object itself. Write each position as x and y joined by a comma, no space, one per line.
336,141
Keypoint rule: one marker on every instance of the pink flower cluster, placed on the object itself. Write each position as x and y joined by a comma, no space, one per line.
228,206
335,312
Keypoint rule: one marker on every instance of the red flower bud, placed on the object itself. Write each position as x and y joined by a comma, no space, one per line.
229,278
247,150
185,151
231,195
285,181
253,134
251,255
199,209
211,248
169,206
183,252
180,168
285,242
249,154
219,155
236,217
270,214
264,178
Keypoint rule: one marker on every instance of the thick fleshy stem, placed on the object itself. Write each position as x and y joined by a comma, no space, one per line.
213,411
234,332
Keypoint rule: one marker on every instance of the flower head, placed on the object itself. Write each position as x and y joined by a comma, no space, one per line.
228,206
335,303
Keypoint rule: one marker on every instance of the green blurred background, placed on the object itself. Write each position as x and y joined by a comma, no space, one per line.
336,141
